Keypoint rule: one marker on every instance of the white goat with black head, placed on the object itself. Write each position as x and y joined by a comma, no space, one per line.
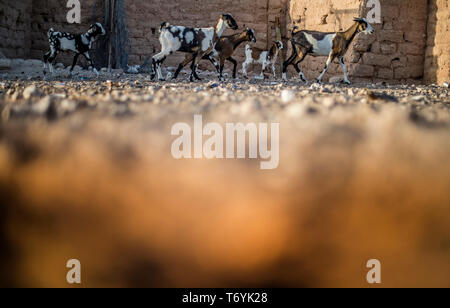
331,44
197,41
80,44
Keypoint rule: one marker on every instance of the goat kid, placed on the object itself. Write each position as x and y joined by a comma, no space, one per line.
225,49
263,57
333,45
197,41
80,44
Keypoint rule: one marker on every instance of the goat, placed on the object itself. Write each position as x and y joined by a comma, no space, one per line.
80,44
224,50
197,41
263,57
324,44
226,47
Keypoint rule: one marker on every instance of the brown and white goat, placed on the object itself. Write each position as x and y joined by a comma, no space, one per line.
263,57
333,45
226,47
197,41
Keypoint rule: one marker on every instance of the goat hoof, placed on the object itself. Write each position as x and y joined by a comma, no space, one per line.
347,83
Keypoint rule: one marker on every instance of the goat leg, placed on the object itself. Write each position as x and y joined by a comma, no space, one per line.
46,56
329,61
234,66
75,60
52,58
222,65
153,73
186,61
300,58
194,66
344,68
91,63
213,61
287,63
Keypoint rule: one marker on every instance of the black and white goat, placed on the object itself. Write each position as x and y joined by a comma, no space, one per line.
80,44
334,45
197,41
263,57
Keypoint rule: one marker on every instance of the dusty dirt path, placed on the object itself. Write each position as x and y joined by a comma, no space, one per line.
86,172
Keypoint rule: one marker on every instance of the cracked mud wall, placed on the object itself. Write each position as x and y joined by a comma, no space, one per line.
437,56
411,43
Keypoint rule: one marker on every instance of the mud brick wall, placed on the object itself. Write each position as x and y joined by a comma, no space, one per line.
145,17
14,27
410,44
437,55
395,53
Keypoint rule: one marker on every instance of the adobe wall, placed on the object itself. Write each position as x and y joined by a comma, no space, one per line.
411,43
14,28
437,55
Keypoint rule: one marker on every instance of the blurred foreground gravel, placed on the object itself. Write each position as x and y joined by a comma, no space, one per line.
86,172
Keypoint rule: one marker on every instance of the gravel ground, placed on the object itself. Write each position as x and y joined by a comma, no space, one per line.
86,172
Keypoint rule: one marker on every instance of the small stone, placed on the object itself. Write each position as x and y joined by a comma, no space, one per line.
337,79
118,71
249,106
329,102
294,110
445,84
418,98
42,105
68,106
29,92
315,86
287,96
213,85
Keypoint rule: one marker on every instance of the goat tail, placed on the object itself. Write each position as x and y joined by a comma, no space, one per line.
294,29
50,32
